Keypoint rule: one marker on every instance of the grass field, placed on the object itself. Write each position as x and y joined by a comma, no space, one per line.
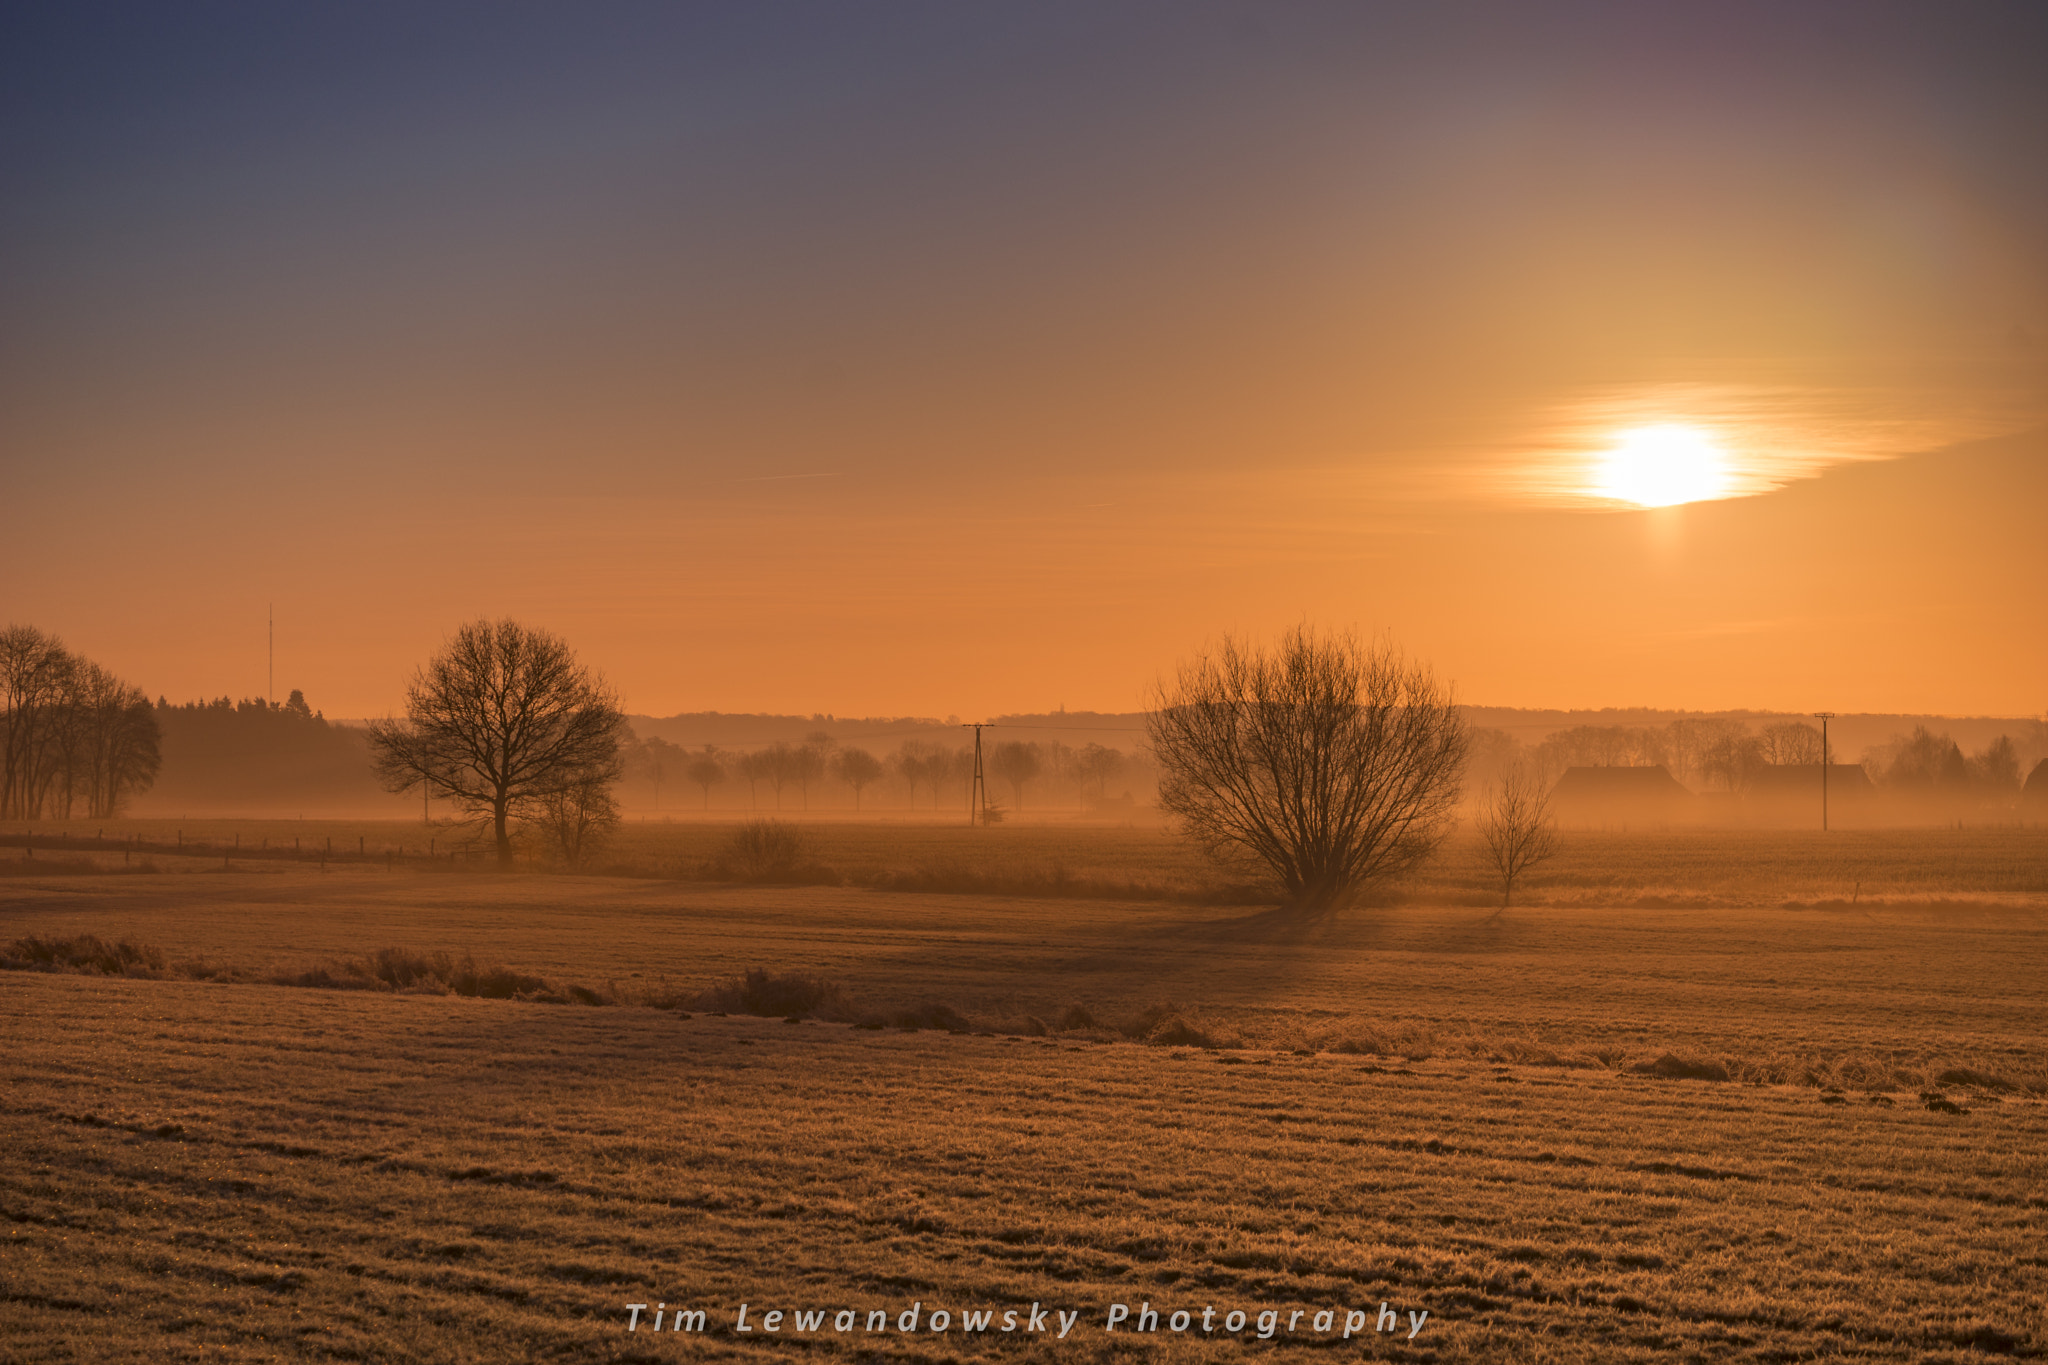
1426,1103
1693,867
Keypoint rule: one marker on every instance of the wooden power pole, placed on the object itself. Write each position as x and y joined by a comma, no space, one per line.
1824,717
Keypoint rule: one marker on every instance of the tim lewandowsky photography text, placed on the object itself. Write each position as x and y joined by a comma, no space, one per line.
1266,1324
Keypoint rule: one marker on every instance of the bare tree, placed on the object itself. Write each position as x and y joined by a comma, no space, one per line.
1330,762
858,769
778,764
69,731
35,680
1515,823
503,720
1732,760
919,761
1789,742
1016,763
807,764
1101,765
576,821
119,742
754,767
1996,767
707,772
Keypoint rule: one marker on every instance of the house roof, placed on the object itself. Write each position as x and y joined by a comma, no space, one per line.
1607,784
1775,778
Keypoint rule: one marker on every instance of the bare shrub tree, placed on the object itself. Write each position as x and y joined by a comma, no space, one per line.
707,772
1789,742
753,767
807,764
1101,765
503,720
919,762
1515,823
577,821
1017,764
769,851
1331,763
858,769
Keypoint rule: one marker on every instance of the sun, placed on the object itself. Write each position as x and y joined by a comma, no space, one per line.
1662,466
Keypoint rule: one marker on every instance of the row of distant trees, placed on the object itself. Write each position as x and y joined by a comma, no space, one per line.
74,736
1709,754
917,771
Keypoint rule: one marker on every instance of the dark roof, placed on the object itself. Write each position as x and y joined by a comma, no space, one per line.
1777,779
1608,784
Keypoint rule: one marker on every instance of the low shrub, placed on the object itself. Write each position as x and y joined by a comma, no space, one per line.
773,995
1673,1067
932,1015
1077,1017
770,851
83,953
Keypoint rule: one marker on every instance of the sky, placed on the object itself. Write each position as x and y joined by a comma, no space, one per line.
938,359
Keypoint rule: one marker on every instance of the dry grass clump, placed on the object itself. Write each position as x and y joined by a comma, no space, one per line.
1674,1067
1412,1041
783,995
439,973
769,851
1170,1025
86,953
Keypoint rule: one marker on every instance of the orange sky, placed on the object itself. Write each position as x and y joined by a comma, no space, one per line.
935,362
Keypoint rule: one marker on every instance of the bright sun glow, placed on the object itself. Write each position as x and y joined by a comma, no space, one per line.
1662,466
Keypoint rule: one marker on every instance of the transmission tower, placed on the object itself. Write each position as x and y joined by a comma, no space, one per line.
977,790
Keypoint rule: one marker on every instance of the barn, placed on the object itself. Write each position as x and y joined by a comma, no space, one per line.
1621,798
1790,794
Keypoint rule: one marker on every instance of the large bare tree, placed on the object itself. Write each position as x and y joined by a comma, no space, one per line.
1329,762
505,721
1515,825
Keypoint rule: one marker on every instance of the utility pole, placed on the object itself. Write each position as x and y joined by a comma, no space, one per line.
977,790
1824,717
270,682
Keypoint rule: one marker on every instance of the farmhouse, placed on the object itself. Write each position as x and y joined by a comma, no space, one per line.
1790,793
1621,798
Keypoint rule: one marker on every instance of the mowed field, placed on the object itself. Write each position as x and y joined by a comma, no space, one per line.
1429,1104
1148,861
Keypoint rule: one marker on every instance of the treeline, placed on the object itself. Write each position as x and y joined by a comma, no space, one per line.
76,739
245,754
1719,755
917,774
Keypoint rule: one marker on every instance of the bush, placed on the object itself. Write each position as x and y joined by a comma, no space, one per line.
82,953
1673,1067
771,851
772,995
399,969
